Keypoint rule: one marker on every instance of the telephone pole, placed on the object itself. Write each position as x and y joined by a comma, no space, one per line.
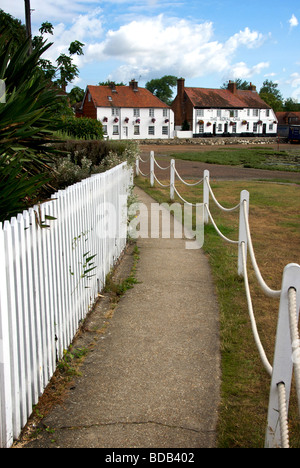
28,24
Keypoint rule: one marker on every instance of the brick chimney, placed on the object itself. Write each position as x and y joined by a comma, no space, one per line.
134,85
252,88
178,105
180,88
232,87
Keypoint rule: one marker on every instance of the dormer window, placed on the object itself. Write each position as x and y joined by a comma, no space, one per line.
109,98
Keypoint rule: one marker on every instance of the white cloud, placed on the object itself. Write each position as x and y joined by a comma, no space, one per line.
247,38
144,47
155,46
293,21
294,82
242,70
85,28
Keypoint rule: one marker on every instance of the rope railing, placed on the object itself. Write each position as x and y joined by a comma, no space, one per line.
216,201
287,345
217,229
268,291
187,183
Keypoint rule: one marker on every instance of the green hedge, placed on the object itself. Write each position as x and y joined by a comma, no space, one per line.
84,127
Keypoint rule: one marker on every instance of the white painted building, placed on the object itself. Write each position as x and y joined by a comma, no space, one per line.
223,112
128,112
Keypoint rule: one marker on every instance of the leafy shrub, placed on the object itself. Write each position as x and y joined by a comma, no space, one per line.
84,127
84,158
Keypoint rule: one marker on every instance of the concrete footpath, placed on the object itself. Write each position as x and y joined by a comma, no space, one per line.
152,379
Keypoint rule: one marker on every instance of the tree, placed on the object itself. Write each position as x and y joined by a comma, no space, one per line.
162,88
14,30
76,95
109,83
270,94
291,105
240,84
66,70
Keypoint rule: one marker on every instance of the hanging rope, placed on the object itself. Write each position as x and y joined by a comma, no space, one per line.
187,183
268,291
217,229
216,201
162,168
188,203
283,415
163,185
295,339
262,353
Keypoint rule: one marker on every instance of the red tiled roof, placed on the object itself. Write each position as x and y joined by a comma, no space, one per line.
124,96
223,98
285,118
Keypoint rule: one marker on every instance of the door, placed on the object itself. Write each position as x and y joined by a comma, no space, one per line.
125,132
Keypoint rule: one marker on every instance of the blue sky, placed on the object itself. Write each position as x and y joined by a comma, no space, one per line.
205,41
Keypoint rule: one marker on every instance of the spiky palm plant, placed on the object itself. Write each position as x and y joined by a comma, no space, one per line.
26,125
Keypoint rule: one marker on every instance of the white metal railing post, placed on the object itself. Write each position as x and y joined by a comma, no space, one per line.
172,179
152,168
205,194
137,166
242,230
283,356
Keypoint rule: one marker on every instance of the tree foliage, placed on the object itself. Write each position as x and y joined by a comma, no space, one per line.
240,84
270,94
162,88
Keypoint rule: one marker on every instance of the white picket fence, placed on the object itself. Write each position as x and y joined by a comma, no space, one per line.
49,279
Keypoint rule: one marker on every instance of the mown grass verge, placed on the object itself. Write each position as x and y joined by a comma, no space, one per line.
275,228
256,158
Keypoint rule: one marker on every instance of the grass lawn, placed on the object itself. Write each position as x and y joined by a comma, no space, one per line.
275,228
257,158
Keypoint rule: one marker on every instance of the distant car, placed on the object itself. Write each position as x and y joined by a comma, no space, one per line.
294,134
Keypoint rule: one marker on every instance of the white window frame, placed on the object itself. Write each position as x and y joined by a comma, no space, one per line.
151,130
165,112
165,130
255,112
151,112
136,130
136,112
200,112
115,111
115,129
